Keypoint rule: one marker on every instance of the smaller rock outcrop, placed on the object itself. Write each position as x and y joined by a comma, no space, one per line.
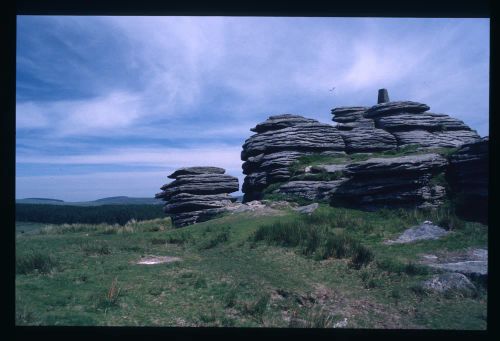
468,176
197,194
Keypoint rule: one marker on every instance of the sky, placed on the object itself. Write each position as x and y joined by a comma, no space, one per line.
110,106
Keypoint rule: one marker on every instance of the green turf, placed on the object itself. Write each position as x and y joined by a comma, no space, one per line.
227,278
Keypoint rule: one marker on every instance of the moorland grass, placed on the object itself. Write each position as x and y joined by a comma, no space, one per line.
234,284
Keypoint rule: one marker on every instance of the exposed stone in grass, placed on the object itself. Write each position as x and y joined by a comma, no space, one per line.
472,263
424,231
449,282
308,209
151,260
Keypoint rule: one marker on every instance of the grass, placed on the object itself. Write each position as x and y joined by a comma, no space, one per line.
227,278
298,166
35,261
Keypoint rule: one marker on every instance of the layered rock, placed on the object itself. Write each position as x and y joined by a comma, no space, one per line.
392,182
388,125
279,142
408,181
197,194
468,176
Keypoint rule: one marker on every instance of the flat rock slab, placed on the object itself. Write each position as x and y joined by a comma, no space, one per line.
151,260
472,262
424,231
308,209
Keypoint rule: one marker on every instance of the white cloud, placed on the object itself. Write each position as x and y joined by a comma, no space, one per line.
227,157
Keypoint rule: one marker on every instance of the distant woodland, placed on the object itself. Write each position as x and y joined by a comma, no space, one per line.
110,214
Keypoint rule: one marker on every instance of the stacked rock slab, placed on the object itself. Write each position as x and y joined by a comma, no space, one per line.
279,141
468,176
359,133
388,125
197,194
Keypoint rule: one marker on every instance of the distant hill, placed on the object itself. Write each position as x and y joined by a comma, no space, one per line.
40,201
120,200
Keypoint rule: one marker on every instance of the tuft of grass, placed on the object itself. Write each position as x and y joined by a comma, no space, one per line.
361,256
230,297
313,239
95,248
215,240
179,238
397,267
110,299
35,261
257,308
158,241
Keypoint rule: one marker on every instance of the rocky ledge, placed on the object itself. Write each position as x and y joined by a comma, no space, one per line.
280,141
197,194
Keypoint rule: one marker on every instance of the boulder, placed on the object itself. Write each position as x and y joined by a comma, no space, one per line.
277,122
196,170
472,263
308,209
391,108
424,231
348,114
449,282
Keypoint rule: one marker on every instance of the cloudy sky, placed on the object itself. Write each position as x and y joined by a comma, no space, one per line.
109,106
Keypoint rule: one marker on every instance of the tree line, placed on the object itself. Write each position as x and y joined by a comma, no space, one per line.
109,214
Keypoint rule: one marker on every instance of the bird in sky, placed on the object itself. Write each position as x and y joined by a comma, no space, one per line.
332,89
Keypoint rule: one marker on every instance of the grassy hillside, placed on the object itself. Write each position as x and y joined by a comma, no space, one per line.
244,271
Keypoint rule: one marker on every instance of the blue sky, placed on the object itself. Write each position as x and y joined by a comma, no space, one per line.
109,106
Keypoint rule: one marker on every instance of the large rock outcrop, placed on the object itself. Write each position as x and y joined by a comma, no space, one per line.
197,194
280,141
385,129
468,176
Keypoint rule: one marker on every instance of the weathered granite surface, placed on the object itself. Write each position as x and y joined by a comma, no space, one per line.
279,142
424,231
197,194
